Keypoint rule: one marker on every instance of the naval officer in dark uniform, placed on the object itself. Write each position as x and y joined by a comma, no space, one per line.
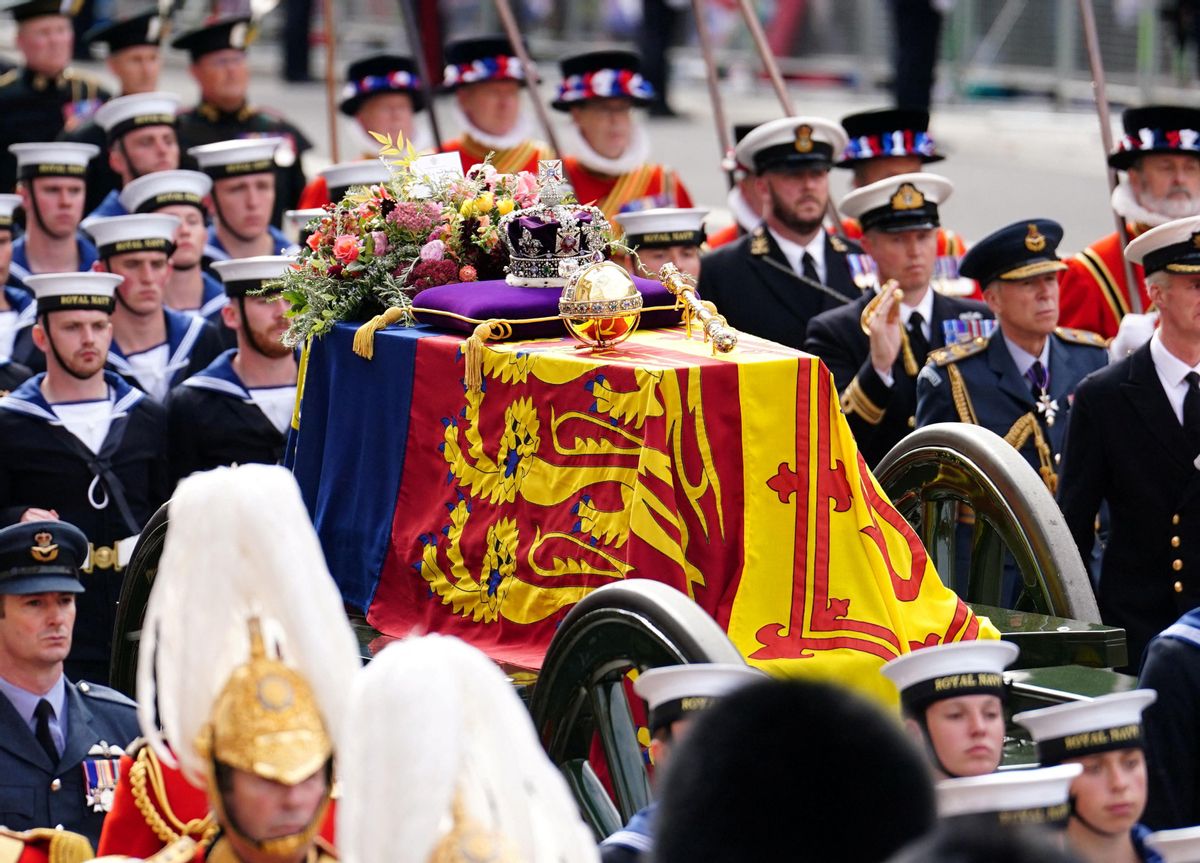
1020,382
219,66
239,409
875,354
1134,443
42,97
60,740
776,279
80,444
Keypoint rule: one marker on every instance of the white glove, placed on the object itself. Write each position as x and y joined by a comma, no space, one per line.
1134,331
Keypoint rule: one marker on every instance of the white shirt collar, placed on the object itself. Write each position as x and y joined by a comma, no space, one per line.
794,252
925,307
1024,359
1170,368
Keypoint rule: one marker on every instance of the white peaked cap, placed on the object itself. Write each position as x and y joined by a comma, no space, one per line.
877,195
1007,791
783,131
486,778
1176,846
1179,232
153,108
163,188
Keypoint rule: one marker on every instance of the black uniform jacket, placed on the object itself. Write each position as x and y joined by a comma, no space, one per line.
192,343
879,415
756,296
1126,446
36,793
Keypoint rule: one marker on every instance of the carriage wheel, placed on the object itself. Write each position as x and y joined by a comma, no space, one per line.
131,609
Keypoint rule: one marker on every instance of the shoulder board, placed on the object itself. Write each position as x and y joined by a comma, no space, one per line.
9,76
954,353
838,244
63,845
103,693
844,246
1081,337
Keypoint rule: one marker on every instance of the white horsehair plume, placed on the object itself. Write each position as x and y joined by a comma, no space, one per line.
440,743
239,544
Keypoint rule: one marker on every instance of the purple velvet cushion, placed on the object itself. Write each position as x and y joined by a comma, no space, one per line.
498,299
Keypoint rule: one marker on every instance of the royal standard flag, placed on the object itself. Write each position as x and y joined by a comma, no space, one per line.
733,478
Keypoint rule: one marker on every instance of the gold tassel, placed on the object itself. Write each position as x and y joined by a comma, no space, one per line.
364,337
473,349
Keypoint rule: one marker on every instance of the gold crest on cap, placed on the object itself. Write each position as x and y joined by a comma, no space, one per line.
1034,240
1196,240
45,550
804,139
907,197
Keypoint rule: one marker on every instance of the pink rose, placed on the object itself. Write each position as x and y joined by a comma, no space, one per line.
380,242
346,249
434,250
526,193
314,240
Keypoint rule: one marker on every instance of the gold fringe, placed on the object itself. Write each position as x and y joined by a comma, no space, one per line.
364,338
962,400
473,349
1022,430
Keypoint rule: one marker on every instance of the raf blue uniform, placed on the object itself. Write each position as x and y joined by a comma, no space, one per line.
65,781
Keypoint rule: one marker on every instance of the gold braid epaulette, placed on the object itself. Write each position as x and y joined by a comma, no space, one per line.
146,768
63,846
1022,430
962,400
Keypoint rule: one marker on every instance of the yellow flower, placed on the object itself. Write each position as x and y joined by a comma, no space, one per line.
506,206
467,208
484,203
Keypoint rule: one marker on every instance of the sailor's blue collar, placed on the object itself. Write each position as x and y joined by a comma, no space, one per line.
28,397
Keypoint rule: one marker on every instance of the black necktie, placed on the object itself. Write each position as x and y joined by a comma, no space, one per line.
809,267
1191,410
916,337
1038,377
43,712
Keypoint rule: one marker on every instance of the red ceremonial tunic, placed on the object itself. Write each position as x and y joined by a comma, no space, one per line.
1093,294
523,157
315,194
644,187
726,235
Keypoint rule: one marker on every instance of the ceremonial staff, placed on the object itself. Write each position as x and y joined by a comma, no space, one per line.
714,93
531,74
331,79
785,101
1099,89
414,45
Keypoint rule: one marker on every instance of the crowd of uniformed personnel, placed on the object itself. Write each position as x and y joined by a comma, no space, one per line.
137,347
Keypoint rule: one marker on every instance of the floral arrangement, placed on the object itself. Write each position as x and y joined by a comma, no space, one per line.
380,245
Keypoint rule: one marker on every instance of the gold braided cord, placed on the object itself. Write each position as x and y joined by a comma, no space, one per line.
962,400
910,359
147,769
1022,430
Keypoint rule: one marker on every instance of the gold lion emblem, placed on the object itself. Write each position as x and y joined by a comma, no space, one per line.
907,197
1034,240
804,139
44,550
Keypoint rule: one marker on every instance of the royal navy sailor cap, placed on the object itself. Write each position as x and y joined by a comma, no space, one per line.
1080,728
160,189
235,33
8,206
56,292
145,28
1176,846
138,110
52,158
791,142
664,226
675,691
23,10
247,275
1011,797
295,222
343,176
950,670
138,232
236,157
905,202
41,557
1173,247
1015,252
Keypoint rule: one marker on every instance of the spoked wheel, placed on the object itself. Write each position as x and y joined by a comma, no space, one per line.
135,593
940,474
580,693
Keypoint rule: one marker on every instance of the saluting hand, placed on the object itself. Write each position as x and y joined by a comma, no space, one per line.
885,330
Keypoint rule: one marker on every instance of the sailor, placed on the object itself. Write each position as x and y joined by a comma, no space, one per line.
139,139
219,67
153,347
876,346
40,98
1160,155
382,94
238,410
1176,846
772,282
79,444
1104,736
675,696
182,194
485,76
135,59
1011,798
50,181
243,198
17,309
1020,381
606,151
952,698
59,738
665,235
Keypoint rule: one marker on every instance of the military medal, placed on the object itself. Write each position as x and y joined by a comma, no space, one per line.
100,776
1047,407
